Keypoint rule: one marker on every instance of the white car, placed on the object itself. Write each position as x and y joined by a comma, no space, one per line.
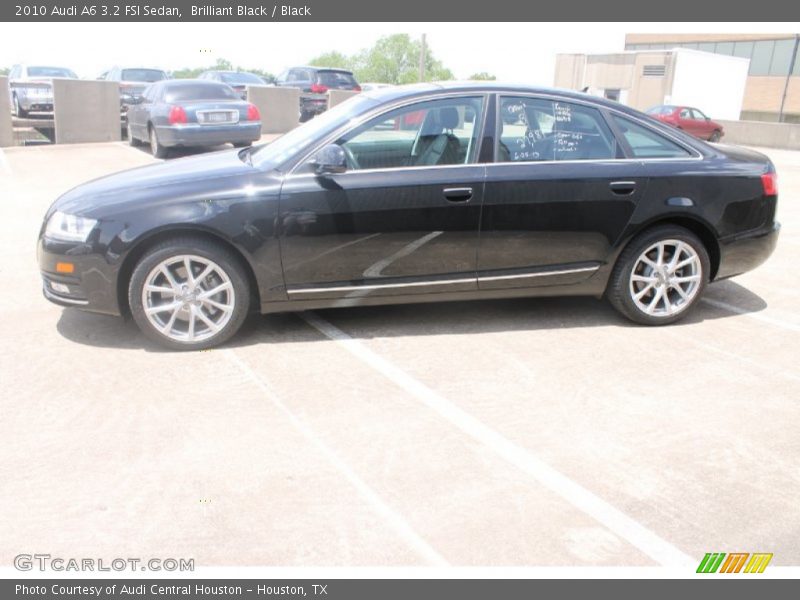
31,89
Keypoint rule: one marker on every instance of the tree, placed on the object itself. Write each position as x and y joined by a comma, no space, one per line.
482,76
221,65
334,59
393,59
4,71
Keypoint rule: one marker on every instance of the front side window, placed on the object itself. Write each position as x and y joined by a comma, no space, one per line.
535,129
435,132
698,115
645,143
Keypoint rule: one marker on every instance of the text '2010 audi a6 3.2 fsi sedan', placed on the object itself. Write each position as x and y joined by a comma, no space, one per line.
416,194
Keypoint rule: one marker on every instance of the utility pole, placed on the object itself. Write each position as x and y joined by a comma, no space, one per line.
789,76
422,60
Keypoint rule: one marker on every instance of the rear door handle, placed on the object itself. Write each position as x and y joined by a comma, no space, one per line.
623,188
457,194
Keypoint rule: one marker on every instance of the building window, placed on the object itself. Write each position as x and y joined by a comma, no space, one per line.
781,57
762,56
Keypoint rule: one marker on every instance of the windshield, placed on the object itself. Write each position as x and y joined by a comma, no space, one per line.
51,72
200,91
274,154
241,78
147,75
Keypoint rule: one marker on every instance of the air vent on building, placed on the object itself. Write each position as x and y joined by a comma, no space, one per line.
654,70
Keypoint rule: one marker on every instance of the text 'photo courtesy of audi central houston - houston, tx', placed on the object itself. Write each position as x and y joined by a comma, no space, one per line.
422,193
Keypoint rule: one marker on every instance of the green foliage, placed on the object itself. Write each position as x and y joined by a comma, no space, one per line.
393,59
4,71
221,65
482,76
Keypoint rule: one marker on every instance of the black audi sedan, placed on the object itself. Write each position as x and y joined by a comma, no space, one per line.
433,192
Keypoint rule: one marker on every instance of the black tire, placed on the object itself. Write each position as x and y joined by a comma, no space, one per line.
132,140
242,144
197,247
620,287
158,150
18,110
715,137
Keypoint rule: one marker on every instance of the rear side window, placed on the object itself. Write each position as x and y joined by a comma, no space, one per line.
534,129
200,91
336,79
646,143
144,75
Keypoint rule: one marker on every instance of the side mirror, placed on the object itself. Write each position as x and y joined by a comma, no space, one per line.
330,159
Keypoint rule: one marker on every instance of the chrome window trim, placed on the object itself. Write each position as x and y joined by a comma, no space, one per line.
537,274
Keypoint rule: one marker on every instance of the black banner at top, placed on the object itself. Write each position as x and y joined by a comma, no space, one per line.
398,10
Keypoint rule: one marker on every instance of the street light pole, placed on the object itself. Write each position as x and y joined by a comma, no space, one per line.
789,76
422,60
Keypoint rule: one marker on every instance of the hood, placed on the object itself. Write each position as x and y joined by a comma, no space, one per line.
179,178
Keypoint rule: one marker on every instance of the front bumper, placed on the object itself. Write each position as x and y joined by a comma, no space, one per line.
744,252
35,103
209,135
92,285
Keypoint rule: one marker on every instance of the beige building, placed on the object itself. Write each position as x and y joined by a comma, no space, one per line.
774,75
645,78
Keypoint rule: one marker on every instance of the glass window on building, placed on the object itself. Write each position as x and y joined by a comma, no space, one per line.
707,46
781,57
743,49
762,57
725,48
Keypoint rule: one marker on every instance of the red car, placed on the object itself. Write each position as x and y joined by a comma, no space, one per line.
690,120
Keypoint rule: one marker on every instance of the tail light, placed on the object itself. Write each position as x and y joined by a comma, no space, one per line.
318,88
252,113
770,183
177,115
357,88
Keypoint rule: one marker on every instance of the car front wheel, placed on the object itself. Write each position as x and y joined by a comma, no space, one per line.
189,294
660,276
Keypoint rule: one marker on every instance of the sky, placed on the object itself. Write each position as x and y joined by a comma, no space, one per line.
513,52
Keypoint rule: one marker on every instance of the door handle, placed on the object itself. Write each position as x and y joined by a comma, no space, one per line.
458,194
623,188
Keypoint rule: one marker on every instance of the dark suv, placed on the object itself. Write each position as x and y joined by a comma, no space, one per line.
314,83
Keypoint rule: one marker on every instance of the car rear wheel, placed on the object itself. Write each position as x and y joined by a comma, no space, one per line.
158,150
715,136
242,144
660,276
189,294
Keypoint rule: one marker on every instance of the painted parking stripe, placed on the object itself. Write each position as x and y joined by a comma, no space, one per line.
4,166
392,517
751,314
616,521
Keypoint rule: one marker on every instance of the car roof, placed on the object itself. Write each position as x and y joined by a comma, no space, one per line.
340,70
182,82
424,89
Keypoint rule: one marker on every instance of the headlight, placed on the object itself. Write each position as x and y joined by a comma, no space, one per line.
69,228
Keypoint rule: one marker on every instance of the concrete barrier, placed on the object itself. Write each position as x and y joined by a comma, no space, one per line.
279,107
338,96
760,133
86,111
6,130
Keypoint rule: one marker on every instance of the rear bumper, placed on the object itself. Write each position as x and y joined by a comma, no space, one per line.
209,135
313,104
745,252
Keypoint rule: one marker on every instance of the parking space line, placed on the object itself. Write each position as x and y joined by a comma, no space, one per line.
584,500
752,315
395,520
5,167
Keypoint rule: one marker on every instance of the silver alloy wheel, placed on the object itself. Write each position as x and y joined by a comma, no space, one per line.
188,298
666,278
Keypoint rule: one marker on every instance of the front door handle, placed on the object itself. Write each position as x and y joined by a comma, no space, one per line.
458,194
623,188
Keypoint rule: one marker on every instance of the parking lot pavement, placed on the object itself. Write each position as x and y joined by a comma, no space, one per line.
516,432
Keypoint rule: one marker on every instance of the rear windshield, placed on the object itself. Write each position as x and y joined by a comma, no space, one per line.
147,75
200,91
241,78
660,110
50,72
336,78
